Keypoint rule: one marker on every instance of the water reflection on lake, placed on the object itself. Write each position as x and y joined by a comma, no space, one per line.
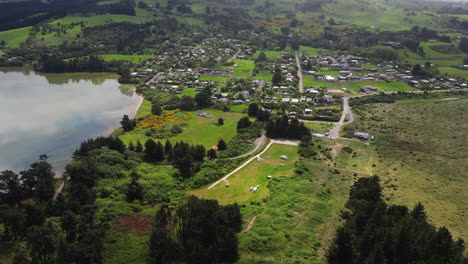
53,113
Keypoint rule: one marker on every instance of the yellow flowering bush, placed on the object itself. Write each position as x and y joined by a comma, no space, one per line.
162,126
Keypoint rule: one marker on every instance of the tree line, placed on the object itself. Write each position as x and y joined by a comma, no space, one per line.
374,232
281,127
201,232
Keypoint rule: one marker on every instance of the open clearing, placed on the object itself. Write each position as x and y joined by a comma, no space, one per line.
200,130
252,175
421,149
354,86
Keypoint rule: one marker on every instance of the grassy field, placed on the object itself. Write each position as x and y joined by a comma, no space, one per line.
454,71
252,175
264,75
354,86
144,110
319,127
244,68
238,108
14,37
270,54
421,151
200,130
132,58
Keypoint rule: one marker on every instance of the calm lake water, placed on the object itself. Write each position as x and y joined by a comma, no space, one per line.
53,113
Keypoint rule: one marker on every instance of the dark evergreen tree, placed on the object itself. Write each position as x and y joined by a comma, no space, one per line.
139,147
156,109
135,189
222,145
127,124
199,153
212,154
253,109
159,152
38,181
150,151
203,98
243,123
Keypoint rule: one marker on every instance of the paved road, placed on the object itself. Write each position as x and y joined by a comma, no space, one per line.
299,73
153,79
259,144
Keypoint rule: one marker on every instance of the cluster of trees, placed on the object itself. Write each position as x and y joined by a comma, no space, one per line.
186,158
281,127
374,232
127,123
52,63
201,231
261,114
27,205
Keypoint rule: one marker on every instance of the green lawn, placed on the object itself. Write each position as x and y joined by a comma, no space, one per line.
252,175
144,110
270,54
264,75
354,86
200,130
319,127
238,108
14,37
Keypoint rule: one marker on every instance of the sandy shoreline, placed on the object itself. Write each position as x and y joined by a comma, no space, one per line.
134,112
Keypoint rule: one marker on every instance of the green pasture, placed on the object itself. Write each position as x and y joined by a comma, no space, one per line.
354,86
200,130
15,37
264,75
132,58
454,71
144,110
319,127
252,175
270,54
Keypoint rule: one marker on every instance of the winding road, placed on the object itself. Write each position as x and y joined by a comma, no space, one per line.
260,142
284,142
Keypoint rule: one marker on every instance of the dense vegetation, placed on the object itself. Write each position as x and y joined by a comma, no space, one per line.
374,232
213,226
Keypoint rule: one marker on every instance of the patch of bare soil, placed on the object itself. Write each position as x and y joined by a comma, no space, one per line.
449,99
136,224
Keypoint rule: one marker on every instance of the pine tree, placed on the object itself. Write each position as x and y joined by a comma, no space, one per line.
222,145
212,154
139,147
150,149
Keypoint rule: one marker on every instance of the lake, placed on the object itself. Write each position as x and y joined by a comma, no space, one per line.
53,113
